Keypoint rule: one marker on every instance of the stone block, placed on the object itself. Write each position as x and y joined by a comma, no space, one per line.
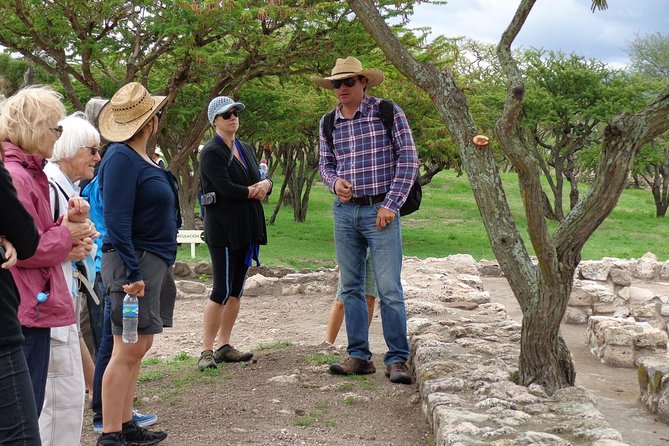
651,338
604,308
647,267
577,315
618,356
624,293
190,287
653,375
620,277
640,295
595,270
619,336
664,271
490,268
644,312
181,269
664,310
580,298
203,268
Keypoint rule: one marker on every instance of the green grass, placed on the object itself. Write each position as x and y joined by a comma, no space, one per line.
449,223
276,346
171,379
321,358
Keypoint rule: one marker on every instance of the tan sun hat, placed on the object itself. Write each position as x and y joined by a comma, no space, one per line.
127,112
349,67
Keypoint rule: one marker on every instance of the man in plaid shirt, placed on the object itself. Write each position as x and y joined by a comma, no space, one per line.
371,175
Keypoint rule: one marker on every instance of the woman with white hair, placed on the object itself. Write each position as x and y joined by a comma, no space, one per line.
28,130
74,157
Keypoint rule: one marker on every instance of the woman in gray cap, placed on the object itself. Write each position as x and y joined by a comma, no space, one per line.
234,226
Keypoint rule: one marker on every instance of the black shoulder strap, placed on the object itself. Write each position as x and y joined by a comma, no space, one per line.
386,114
328,127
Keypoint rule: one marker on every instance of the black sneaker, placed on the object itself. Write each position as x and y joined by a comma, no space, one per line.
138,436
111,439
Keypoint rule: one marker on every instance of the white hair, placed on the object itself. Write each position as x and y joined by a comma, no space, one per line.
78,132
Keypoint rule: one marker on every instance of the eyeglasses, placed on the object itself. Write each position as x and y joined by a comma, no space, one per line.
227,114
57,130
349,82
159,115
93,149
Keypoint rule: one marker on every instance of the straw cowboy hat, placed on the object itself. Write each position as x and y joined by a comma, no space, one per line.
349,67
127,112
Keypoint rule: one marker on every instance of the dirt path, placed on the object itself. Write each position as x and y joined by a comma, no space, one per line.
283,398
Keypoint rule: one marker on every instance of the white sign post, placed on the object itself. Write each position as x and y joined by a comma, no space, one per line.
191,236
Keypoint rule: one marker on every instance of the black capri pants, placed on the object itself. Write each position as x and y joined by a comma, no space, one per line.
230,268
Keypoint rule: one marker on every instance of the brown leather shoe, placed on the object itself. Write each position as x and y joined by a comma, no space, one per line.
353,366
398,373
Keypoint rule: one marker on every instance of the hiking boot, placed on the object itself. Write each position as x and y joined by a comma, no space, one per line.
138,436
228,353
398,373
112,439
353,366
206,360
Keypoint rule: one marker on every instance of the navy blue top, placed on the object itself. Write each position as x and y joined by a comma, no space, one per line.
140,208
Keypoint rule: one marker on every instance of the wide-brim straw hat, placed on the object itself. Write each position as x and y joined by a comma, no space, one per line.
349,67
128,111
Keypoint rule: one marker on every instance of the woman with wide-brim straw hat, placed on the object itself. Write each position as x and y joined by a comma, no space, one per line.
136,252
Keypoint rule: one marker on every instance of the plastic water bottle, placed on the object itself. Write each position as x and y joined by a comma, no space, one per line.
130,318
263,169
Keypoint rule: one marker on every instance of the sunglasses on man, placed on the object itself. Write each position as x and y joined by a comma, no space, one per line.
349,82
230,113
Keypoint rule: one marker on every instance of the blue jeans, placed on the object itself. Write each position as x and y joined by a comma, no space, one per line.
103,357
36,350
18,424
355,231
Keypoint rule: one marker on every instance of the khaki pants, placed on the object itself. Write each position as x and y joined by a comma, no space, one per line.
63,412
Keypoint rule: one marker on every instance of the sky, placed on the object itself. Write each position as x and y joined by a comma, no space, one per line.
567,25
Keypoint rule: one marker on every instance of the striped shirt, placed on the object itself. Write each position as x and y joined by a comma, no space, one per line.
364,156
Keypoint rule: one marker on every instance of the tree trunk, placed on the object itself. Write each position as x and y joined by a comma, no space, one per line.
544,357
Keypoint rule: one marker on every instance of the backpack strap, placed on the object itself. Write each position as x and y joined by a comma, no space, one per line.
386,114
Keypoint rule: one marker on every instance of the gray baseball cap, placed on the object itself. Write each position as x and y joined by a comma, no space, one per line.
221,104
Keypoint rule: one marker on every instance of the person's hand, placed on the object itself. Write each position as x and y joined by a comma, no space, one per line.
259,190
77,209
343,189
383,218
10,254
80,231
78,252
135,288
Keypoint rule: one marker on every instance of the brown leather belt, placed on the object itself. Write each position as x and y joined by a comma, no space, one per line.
368,200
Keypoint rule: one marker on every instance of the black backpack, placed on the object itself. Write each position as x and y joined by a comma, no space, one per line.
387,116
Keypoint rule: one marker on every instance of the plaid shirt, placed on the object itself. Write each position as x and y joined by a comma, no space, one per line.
364,156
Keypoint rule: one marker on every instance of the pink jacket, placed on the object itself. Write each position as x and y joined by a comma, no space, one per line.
42,271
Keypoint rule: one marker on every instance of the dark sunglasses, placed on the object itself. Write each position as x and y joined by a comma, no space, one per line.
349,82
227,114
159,115
94,150
58,130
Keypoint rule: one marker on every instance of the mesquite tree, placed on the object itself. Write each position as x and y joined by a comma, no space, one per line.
542,290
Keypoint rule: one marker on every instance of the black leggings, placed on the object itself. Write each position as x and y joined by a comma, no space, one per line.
229,272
